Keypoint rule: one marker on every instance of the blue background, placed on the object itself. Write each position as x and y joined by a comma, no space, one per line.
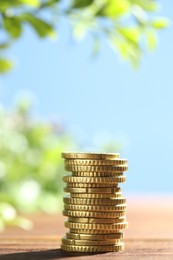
103,98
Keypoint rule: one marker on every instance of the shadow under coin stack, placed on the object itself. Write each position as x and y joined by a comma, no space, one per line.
95,209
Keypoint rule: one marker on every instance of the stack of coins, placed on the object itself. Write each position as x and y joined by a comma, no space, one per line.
95,209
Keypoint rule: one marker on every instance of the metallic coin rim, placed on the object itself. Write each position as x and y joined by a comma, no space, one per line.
97,174
89,155
101,168
74,248
95,226
93,214
97,220
96,162
94,231
116,195
101,190
75,207
92,185
81,242
119,235
88,201
97,180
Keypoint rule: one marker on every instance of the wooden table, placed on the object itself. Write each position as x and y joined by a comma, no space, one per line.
150,234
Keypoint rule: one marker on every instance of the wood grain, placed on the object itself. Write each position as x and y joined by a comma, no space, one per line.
150,234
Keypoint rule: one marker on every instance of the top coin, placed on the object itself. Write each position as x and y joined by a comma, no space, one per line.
104,156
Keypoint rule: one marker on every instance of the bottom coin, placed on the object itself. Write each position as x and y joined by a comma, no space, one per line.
80,242
95,237
92,249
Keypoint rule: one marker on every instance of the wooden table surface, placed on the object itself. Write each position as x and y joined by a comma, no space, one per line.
149,236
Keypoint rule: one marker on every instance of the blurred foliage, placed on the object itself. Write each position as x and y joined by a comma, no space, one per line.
130,26
31,167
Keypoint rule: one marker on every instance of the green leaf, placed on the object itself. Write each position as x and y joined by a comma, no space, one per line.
81,3
127,51
7,4
151,39
147,5
114,8
5,65
48,3
140,15
3,5
34,3
42,28
4,45
160,23
132,34
13,26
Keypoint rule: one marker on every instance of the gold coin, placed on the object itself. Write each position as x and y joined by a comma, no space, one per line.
97,220
114,208
85,162
97,195
95,226
97,174
74,155
86,180
75,190
92,185
95,237
100,191
92,214
101,202
102,168
80,242
92,249
93,231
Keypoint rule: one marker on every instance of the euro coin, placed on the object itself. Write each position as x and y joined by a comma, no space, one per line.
97,195
92,214
93,185
97,174
119,207
67,241
74,155
94,201
102,168
80,162
95,226
97,220
75,190
119,235
103,180
87,190
94,231
92,249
